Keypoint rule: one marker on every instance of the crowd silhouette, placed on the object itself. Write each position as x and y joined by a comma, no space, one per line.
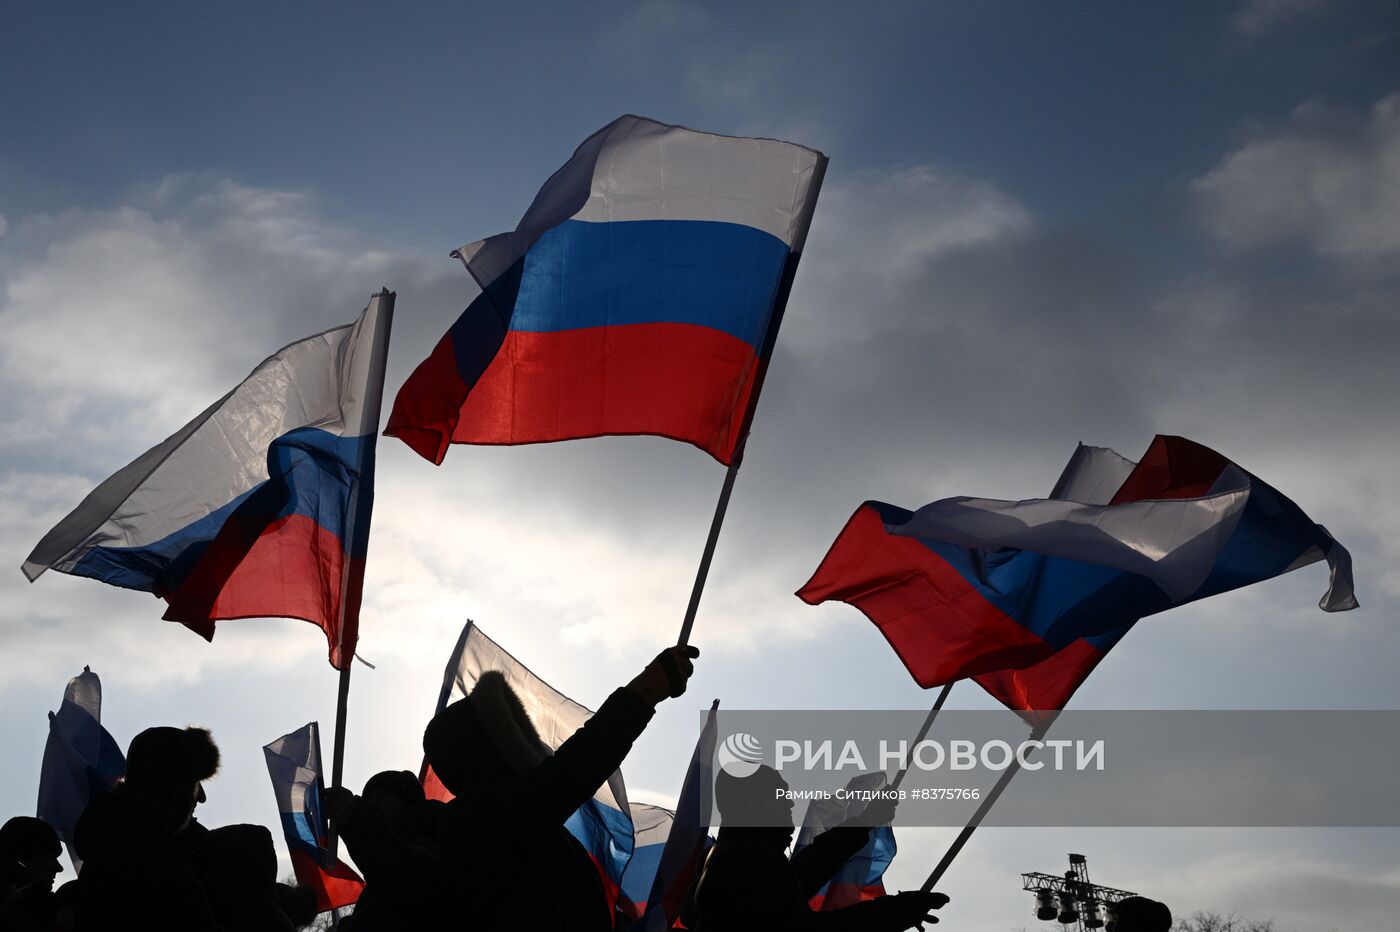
497,856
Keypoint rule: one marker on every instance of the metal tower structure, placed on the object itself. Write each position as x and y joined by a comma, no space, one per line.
1072,900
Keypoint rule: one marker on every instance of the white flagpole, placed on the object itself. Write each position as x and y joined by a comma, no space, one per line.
923,731
1037,734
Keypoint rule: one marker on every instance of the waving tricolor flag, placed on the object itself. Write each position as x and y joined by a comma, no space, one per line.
603,825
294,764
635,297
81,760
258,507
1029,596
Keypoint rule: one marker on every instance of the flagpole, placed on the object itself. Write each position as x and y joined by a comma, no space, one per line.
337,769
342,702
923,731
765,356
977,817
368,426
704,571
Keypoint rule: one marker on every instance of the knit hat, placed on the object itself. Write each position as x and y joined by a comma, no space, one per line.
483,736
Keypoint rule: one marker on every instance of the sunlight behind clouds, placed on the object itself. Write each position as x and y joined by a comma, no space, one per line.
949,334
1334,189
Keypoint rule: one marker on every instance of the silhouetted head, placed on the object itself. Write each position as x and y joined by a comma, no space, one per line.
29,851
482,737
165,767
1139,914
297,903
65,901
241,868
757,801
393,793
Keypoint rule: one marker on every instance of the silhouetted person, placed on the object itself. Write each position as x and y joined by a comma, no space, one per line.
393,795
1139,914
66,898
298,904
507,861
389,833
747,881
207,851
242,874
135,873
29,851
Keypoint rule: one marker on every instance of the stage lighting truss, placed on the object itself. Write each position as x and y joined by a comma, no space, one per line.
1072,900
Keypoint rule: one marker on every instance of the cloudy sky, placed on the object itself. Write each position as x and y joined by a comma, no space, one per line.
1042,224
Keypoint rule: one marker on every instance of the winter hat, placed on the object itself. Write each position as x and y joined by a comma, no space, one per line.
24,837
240,875
485,735
163,756
244,860
400,783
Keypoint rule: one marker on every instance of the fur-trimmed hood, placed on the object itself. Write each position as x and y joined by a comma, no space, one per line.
165,755
486,735
507,725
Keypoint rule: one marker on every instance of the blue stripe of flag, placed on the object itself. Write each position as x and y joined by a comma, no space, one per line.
724,276
316,467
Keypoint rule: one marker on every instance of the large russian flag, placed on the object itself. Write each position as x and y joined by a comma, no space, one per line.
294,764
603,825
260,506
1029,596
635,297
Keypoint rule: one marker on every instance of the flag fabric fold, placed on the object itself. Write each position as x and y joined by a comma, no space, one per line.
862,876
689,836
603,825
260,506
81,760
634,297
651,826
294,764
1028,596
